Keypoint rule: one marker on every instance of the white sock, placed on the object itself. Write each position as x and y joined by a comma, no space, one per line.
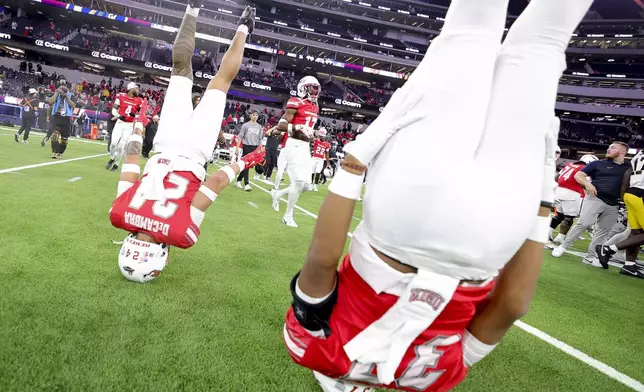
614,248
192,11
282,193
293,195
560,237
278,179
550,231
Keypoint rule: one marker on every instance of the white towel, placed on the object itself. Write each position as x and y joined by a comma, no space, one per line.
152,187
386,340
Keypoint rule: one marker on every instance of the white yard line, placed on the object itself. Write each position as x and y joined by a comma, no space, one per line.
74,179
44,133
14,169
585,358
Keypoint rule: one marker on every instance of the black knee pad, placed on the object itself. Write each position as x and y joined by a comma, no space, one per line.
569,220
556,220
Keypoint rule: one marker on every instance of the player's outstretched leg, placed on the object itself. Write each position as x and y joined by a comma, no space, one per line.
521,109
184,44
210,109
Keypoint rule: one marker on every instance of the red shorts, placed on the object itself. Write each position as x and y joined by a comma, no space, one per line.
433,362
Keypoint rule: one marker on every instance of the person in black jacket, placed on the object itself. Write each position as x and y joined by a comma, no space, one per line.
150,132
29,107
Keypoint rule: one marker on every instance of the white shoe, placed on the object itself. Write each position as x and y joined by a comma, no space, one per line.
276,202
559,239
239,185
551,245
558,251
289,221
25,142
247,188
329,384
256,177
315,188
592,260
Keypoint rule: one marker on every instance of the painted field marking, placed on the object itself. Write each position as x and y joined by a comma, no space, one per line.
14,169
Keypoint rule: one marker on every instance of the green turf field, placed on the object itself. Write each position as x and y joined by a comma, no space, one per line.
213,320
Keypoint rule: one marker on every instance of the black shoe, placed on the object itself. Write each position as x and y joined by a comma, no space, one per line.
109,164
44,141
248,18
115,168
17,137
631,270
604,253
195,3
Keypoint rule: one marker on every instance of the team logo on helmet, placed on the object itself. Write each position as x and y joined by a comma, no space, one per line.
309,87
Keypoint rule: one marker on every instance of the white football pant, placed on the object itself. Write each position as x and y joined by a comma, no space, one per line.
468,209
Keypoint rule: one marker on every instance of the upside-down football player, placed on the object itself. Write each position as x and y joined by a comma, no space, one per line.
412,306
166,206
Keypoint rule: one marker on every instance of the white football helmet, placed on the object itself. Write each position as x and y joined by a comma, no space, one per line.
131,86
588,158
309,87
141,261
328,172
322,132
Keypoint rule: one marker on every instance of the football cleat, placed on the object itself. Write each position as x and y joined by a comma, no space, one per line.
239,185
247,188
195,3
256,157
604,253
44,141
632,270
248,19
17,138
558,251
25,142
109,164
54,156
289,221
276,201
115,168
592,261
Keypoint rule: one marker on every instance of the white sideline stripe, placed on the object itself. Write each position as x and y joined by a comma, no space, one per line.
585,358
74,179
254,205
592,362
13,169
44,133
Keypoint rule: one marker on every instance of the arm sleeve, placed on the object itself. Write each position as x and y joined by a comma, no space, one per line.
122,187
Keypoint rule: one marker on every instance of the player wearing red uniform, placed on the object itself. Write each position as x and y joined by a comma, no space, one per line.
412,305
165,207
298,122
281,162
321,149
125,109
568,197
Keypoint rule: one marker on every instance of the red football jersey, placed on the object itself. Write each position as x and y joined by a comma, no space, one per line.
320,148
307,112
167,221
567,178
433,362
128,106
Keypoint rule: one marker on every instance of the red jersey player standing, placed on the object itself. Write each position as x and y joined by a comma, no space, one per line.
321,149
298,121
413,305
125,109
568,197
166,206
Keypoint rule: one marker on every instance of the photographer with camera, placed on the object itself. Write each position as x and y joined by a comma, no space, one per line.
59,118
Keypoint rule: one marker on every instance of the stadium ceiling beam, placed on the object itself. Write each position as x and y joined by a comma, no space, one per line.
275,36
344,15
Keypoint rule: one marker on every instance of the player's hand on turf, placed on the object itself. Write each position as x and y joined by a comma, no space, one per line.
591,190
